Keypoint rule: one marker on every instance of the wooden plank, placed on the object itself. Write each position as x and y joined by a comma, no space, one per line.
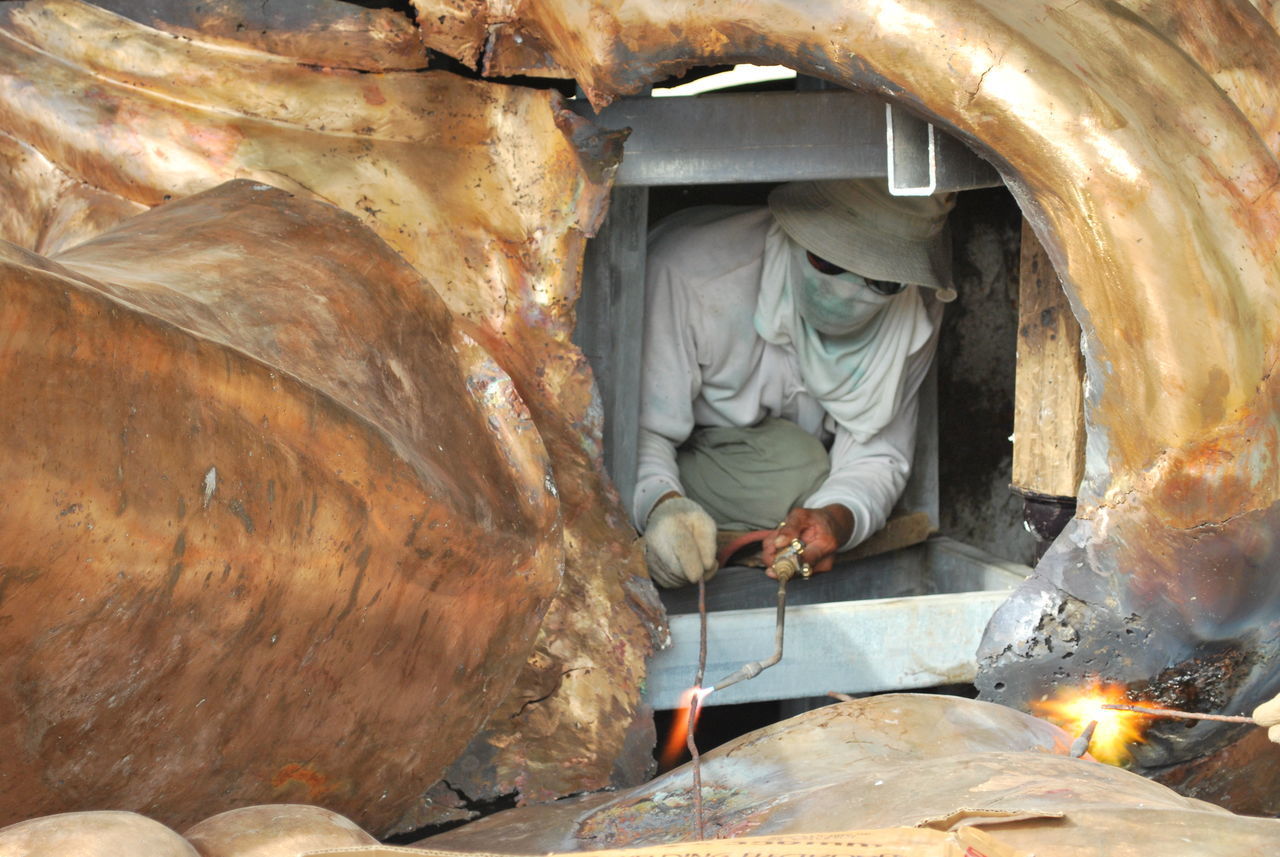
1048,423
610,327
903,529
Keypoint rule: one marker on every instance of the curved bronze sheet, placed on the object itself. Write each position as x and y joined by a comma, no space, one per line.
490,191
897,760
275,527
1140,140
47,209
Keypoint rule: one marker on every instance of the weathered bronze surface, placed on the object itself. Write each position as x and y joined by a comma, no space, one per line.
895,760
1231,43
275,527
326,32
489,191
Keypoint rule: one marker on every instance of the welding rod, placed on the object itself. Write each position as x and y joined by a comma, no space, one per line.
695,702
1190,715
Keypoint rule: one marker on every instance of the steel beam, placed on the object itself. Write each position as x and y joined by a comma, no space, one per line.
786,136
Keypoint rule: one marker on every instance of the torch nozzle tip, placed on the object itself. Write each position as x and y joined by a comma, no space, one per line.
1080,746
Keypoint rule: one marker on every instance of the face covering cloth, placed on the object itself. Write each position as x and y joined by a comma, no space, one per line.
861,354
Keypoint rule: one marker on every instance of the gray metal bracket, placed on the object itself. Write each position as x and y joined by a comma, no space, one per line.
911,154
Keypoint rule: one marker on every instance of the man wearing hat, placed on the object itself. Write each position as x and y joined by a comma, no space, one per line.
784,347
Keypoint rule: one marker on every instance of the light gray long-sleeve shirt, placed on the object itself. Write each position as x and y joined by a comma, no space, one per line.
704,364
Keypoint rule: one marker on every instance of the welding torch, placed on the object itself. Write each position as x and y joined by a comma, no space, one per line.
787,564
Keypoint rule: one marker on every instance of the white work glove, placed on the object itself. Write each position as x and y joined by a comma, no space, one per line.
679,543
1268,714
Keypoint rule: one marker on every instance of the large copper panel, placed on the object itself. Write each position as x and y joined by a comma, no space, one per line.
275,527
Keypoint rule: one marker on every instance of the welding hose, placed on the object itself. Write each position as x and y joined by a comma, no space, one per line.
739,542
783,570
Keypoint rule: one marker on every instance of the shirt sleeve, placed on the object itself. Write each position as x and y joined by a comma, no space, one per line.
868,478
670,380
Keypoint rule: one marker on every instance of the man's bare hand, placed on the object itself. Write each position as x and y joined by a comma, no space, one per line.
823,531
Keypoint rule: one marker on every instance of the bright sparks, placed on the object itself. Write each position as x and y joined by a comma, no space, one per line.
1073,709
678,737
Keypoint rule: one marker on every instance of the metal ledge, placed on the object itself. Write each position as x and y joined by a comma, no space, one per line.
854,646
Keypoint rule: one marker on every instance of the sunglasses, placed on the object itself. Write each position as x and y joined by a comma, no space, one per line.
880,287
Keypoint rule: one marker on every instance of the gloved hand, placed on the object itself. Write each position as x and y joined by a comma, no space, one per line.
679,543
1268,714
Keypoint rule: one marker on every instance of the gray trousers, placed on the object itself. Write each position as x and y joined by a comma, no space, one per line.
750,478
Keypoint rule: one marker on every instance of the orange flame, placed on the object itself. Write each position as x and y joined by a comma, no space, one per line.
677,738
1073,709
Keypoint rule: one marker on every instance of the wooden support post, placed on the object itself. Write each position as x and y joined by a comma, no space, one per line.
1048,423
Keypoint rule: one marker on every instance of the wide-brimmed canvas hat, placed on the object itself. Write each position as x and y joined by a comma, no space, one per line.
858,225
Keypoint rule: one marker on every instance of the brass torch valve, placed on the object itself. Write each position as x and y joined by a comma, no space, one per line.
790,560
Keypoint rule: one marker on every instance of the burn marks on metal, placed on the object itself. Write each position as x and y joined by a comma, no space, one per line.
1206,682
655,816
1074,642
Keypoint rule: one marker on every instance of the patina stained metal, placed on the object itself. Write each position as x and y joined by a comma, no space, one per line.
1140,141
47,209
241,561
489,191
